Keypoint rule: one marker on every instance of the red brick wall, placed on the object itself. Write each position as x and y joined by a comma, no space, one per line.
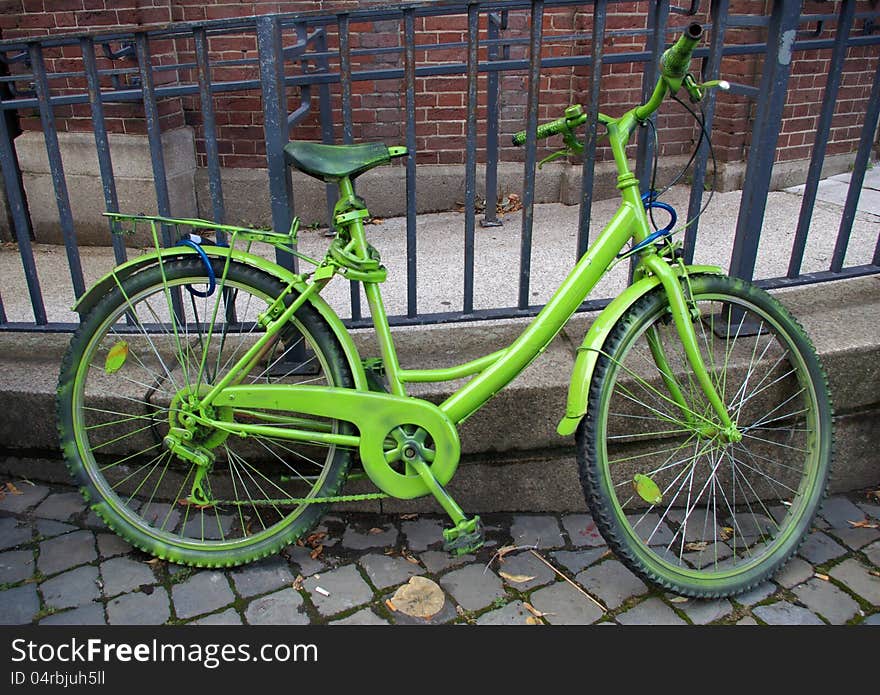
378,106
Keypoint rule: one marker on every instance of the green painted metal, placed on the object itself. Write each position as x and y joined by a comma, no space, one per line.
376,415
588,352
410,447
126,270
450,373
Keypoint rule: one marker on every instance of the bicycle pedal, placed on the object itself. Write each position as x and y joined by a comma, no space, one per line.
466,537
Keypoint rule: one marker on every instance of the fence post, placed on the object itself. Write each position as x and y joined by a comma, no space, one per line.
759,168
271,60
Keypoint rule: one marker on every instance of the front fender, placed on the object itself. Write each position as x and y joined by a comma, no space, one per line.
136,265
588,352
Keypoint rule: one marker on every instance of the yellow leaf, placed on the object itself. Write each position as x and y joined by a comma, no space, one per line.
504,550
516,578
679,599
696,546
116,357
13,490
532,620
298,582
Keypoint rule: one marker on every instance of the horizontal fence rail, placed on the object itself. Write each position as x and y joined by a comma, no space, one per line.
311,56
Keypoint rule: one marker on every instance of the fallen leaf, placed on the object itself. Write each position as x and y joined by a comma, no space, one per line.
298,582
116,357
377,220
726,533
647,489
504,550
679,599
696,546
864,523
823,577
531,609
409,557
409,517
516,578
419,597
13,490
532,620
874,573
390,604
316,552
315,539
155,562
376,530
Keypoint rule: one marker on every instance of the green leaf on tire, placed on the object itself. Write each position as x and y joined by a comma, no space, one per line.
647,489
116,357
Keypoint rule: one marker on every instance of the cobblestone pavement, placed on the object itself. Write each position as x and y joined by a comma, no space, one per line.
59,565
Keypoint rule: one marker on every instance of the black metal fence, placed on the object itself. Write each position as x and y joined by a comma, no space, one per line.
281,69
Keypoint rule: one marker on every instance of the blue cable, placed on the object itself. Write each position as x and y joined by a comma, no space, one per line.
648,200
212,278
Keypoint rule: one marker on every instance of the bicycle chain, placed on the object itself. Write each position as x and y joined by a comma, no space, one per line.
305,500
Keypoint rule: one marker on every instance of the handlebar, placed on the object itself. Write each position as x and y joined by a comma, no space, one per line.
674,65
545,130
675,61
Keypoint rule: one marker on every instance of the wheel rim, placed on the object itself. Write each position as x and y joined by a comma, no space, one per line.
121,418
727,507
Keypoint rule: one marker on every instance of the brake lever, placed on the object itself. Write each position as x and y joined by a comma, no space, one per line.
697,91
559,154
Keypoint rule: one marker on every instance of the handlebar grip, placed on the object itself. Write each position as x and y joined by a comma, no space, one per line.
677,59
544,130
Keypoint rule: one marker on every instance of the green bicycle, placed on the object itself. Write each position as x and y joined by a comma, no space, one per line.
211,404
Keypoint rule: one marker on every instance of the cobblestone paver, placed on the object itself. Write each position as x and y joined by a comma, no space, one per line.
57,569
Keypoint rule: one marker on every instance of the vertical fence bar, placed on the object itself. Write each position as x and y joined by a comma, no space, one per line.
102,143
858,176
154,132
2,312
56,167
657,20
154,137
823,129
15,198
326,116
765,134
493,32
271,60
596,52
209,126
525,252
409,69
711,69
347,128
470,176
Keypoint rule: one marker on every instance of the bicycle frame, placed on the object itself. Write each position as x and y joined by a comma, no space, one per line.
378,416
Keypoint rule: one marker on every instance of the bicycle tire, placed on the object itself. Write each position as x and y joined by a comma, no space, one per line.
112,419
740,509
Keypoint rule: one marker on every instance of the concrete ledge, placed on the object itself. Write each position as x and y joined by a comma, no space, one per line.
513,459
133,173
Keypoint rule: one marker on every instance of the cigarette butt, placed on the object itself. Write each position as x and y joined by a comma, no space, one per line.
322,591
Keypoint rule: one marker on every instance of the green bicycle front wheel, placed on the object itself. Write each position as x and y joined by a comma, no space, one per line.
135,368
683,504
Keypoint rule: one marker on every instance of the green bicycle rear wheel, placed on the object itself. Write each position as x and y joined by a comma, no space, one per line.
682,504
131,375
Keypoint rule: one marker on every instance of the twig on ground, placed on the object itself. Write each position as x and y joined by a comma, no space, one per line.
541,558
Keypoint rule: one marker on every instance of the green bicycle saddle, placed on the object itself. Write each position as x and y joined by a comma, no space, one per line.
332,162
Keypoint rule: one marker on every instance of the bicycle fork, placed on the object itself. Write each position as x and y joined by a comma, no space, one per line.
683,319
